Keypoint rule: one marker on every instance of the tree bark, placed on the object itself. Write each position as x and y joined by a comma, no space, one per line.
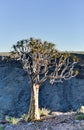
33,113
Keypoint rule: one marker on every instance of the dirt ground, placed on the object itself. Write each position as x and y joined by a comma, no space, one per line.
56,122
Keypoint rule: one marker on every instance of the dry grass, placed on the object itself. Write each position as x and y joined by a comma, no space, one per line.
44,112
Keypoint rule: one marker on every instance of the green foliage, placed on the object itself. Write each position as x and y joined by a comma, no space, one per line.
80,116
69,54
2,127
44,112
8,119
12,55
34,45
12,120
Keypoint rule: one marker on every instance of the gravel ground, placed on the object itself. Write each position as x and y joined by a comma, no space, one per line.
60,122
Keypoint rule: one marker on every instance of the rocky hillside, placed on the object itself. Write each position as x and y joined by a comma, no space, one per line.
15,90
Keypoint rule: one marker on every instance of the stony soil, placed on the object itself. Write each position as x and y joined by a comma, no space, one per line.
56,122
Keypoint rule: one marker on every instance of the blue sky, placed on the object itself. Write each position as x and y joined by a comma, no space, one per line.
58,21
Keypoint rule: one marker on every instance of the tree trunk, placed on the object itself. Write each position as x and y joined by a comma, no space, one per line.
33,113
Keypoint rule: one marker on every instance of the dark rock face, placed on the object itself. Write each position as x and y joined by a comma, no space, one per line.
15,91
65,96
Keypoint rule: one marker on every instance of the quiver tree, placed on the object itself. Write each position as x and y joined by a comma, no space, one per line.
42,61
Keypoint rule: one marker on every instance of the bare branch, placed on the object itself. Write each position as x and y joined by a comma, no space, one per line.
40,61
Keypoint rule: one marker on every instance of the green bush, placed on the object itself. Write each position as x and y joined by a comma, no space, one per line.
80,117
12,120
2,127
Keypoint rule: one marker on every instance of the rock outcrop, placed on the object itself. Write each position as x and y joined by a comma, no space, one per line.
15,88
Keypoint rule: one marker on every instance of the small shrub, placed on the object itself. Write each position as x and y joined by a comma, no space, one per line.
80,117
44,112
2,127
12,120
8,119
